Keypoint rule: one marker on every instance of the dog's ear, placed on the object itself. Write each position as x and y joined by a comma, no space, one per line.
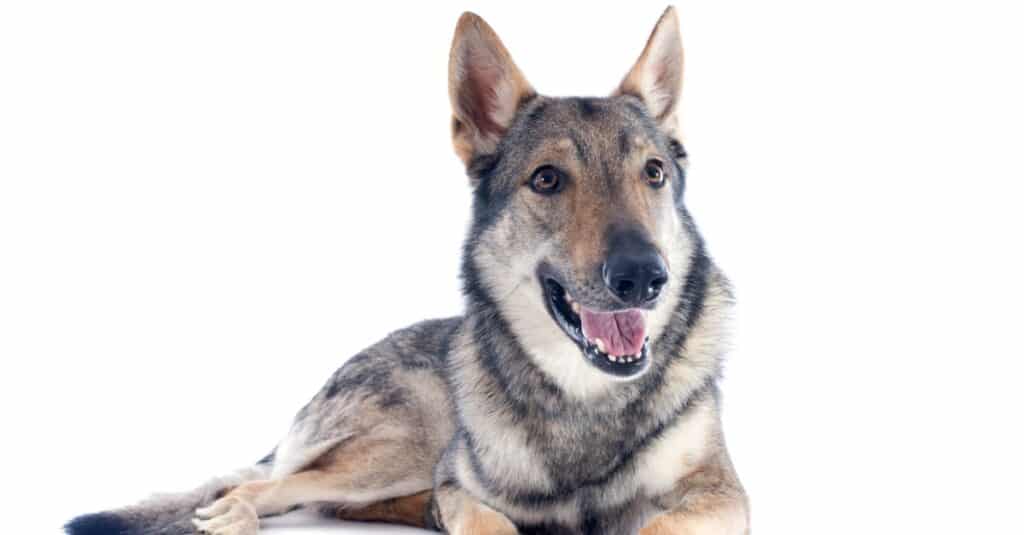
485,87
657,77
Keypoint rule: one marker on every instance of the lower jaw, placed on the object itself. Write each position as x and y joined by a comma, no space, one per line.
620,368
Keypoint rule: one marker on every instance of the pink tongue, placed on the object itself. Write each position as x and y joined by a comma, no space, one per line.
622,332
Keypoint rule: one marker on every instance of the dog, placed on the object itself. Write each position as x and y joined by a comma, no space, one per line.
579,391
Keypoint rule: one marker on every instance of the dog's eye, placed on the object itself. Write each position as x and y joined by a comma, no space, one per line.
654,171
546,180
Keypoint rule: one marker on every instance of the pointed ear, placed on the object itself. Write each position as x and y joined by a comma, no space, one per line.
485,87
657,76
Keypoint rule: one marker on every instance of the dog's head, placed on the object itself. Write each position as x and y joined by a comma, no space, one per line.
579,235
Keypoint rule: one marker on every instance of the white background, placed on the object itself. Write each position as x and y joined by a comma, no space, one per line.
206,207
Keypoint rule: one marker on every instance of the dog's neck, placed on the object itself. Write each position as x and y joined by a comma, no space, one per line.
515,393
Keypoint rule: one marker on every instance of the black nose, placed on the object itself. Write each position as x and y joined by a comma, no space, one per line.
635,273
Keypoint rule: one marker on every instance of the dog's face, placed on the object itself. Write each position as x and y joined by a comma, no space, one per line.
579,233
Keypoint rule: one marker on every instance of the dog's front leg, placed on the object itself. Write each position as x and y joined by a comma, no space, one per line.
708,501
458,513
707,516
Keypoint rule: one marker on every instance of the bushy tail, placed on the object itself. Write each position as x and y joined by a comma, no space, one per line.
164,514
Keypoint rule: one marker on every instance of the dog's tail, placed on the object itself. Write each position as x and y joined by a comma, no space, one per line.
165,514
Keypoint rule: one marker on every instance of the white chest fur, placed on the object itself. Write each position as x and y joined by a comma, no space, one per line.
678,451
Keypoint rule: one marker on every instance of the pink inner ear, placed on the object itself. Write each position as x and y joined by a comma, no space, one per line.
662,73
663,85
478,96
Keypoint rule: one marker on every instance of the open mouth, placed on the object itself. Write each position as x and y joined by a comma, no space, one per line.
615,342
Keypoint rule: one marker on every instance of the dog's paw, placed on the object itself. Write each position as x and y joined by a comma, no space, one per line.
230,515
486,522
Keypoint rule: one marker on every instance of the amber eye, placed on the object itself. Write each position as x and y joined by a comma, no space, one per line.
546,180
654,171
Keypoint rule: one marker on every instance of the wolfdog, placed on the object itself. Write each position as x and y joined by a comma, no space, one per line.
578,393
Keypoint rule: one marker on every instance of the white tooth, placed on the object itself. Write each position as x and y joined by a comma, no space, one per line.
600,344
575,307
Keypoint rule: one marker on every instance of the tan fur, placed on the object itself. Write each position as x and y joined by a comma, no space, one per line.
589,204
727,519
334,477
463,514
585,241
481,520
712,503
408,510
714,517
634,205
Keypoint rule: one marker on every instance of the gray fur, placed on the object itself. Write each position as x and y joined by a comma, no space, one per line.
498,411
163,514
